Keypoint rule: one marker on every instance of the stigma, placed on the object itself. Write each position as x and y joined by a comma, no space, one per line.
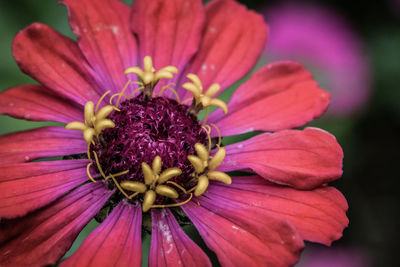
153,149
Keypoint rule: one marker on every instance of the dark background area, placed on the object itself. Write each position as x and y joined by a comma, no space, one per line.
369,137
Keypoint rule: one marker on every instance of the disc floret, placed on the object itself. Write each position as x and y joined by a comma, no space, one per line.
153,184
150,76
204,168
95,121
201,100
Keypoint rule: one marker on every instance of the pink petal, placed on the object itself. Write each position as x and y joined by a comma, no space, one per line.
279,96
104,37
42,237
302,159
37,103
170,246
56,62
40,143
168,31
116,242
29,186
244,236
233,40
318,215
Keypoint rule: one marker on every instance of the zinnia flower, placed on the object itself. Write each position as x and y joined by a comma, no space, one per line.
322,40
134,154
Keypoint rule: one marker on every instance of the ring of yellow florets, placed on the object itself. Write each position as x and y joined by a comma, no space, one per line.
156,182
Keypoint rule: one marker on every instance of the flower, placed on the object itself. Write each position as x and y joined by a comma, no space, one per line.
323,40
140,153
333,257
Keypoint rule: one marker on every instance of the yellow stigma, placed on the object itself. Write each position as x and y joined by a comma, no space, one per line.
204,168
95,121
203,100
153,184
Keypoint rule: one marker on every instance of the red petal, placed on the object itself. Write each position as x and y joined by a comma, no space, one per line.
318,215
244,236
29,186
116,242
170,246
37,103
104,37
42,237
233,40
40,143
278,96
168,31
55,61
302,159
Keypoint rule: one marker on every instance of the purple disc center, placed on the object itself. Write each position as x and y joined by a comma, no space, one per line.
145,129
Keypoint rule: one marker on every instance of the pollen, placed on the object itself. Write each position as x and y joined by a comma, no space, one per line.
152,148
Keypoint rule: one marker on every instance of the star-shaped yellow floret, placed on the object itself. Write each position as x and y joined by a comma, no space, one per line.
204,168
206,99
95,122
153,184
149,75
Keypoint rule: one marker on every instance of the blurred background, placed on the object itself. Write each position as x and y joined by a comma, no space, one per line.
352,48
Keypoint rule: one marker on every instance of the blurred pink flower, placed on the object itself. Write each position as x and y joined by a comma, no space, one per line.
333,257
321,39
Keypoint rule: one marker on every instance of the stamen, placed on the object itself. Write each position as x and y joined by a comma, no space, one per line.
88,172
134,92
99,166
177,185
207,129
168,86
118,186
88,153
165,87
173,205
120,173
101,99
206,116
117,94
219,134
122,92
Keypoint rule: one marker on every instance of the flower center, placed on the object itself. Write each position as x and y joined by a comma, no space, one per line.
131,133
145,129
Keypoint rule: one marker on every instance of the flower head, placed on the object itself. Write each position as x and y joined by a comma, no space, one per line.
146,154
